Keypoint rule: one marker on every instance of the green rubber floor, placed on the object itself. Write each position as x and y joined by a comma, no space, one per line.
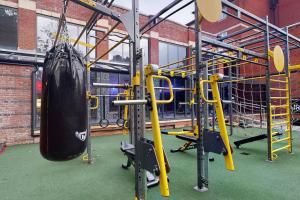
25,175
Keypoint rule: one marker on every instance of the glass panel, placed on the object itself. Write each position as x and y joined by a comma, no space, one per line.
168,108
145,46
38,92
46,29
121,52
163,53
93,42
111,111
181,54
180,98
173,55
95,114
8,28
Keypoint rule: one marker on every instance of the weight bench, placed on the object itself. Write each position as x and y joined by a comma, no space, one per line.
190,144
238,143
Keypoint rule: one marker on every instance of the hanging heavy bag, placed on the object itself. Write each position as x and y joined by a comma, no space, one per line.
63,129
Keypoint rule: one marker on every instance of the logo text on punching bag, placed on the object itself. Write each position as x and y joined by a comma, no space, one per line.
81,135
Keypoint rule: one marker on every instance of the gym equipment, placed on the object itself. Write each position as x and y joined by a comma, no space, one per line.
211,10
217,51
123,122
152,166
63,122
150,72
278,58
220,116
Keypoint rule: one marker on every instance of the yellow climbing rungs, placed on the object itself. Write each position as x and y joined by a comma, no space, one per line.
280,140
280,106
278,115
279,81
279,123
278,89
281,148
279,97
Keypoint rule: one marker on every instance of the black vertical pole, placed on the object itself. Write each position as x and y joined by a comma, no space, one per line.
268,103
139,110
202,184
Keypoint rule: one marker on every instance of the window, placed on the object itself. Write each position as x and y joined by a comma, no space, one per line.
169,53
121,52
38,96
47,28
145,47
8,28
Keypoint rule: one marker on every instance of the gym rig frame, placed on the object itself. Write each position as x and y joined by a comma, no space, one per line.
202,54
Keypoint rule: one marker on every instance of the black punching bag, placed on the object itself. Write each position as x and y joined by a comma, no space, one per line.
63,110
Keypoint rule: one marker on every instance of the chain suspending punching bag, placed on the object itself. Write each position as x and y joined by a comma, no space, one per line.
63,129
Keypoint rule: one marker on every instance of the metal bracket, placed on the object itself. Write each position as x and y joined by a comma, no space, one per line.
213,142
148,156
128,21
136,80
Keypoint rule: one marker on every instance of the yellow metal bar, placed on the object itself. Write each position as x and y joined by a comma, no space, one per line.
202,92
170,89
242,79
163,179
97,103
279,81
278,115
167,65
62,38
278,89
280,140
220,116
279,98
280,106
289,127
279,123
294,67
188,133
279,149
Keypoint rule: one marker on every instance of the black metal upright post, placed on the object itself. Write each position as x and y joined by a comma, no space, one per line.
131,107
139,110
202,184
268,102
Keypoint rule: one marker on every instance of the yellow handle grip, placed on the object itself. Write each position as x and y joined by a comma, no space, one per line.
202,91
170,89
97,103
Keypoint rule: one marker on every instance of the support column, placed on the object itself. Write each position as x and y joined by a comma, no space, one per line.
202,183
27,25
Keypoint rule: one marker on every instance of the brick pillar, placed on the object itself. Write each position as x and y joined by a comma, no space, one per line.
102,47
154,51
15,101
27,25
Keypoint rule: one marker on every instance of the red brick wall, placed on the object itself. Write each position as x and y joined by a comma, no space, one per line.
15,104
153,54
26,29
